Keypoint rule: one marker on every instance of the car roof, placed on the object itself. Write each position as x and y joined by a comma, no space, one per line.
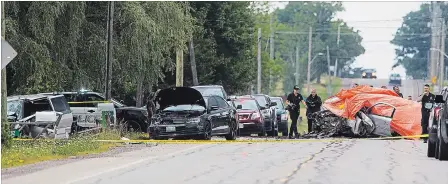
28,97
207,86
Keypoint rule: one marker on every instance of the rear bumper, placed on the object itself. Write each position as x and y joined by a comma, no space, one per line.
249,127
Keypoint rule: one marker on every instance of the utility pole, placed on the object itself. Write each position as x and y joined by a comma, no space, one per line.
435,30
109,58
194,72
329,88
337,43
179,68
3,72
271,50
259,62
310,36
297,67
442,56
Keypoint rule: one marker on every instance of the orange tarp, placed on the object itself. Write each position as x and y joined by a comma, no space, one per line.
407,117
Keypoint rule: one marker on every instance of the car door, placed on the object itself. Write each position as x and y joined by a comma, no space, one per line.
382,123
214,114
93,114
224,114
60,105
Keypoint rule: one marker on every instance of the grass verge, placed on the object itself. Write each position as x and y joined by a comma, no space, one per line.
33,151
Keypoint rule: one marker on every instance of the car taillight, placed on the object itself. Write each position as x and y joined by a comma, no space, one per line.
255,115
436,112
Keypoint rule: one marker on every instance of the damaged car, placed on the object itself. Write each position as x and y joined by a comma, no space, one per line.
365,124
39,116
184,113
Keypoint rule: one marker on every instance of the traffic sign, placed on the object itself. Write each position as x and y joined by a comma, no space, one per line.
8,53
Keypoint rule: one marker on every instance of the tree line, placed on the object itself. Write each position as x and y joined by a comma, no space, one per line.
62,45
413,39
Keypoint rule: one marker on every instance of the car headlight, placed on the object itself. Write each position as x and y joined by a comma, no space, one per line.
284,117
364,74
255,115
373,73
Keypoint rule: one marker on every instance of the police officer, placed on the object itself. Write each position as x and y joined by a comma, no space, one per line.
293,101
314,103
397,90
427,99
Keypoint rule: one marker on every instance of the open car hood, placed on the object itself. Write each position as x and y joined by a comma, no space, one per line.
179,96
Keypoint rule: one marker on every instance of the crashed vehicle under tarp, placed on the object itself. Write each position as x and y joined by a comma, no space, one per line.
39,116
366,111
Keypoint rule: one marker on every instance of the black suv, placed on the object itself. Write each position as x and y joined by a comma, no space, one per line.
438,127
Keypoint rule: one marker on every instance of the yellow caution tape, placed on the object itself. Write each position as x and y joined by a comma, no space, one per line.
249,141
85,102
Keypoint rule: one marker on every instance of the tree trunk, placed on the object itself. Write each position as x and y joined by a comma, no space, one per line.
194,72
139,94
318,79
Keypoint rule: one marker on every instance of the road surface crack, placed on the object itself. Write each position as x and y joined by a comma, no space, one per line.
297,169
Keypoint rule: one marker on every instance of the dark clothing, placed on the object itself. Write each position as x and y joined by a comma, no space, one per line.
295,100
294,113
150,106
314,103
426,111
400,94
293,129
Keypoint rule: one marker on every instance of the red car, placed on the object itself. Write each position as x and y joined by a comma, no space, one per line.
249,116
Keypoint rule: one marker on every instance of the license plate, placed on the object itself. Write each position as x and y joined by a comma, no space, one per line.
241,125
170,129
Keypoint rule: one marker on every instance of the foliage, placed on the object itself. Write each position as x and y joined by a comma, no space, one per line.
413,39
299,16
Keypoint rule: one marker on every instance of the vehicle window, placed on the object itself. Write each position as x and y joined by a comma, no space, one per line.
184,107
208,91
221,103
279,103
212,102
247,104
261,100
14,106
60,104
84,100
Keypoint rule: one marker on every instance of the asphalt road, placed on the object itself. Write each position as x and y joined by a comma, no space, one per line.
343,162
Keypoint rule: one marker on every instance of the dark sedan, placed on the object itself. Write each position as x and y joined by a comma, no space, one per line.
184,113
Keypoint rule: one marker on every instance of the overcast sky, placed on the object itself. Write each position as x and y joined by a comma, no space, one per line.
377,23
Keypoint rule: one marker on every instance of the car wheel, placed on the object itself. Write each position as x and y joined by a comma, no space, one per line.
207,132
262,133
233,131
431,149
132,126
442,148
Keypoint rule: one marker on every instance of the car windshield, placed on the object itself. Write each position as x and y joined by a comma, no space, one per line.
261,100
209,91
247,104
186,107
279,103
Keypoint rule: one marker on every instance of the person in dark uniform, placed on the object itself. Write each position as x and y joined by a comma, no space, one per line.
397,90
314,103
150,106
293,106
427,99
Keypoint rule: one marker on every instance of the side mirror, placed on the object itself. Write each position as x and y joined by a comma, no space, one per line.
239,107
273,104
213,108
262,108
228,99
439,99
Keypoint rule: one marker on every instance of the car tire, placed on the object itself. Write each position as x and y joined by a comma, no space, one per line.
263,132
233,132
285,132
431,149
442,147
207,132
436,149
